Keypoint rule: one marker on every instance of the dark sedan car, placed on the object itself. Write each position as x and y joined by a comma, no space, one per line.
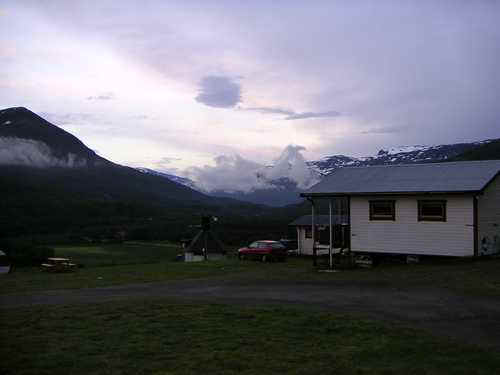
265,250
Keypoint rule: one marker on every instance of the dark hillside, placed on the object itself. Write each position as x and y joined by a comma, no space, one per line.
21,123
76,193
485,151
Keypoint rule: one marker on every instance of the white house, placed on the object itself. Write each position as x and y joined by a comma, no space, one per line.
448,209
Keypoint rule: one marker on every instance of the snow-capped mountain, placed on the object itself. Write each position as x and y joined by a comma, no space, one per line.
281,182
292,165
395,155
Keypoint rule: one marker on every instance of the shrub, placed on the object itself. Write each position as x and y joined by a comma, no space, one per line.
22,253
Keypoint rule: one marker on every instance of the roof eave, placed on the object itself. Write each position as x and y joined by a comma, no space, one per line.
489,182
345,194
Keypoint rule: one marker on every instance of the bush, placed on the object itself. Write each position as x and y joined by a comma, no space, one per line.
21,253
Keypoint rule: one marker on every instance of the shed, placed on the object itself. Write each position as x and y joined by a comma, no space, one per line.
450,209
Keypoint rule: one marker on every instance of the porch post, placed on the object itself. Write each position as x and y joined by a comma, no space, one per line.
299,241
331,233
313,234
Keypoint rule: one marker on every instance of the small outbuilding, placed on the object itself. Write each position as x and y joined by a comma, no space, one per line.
340,233
450,209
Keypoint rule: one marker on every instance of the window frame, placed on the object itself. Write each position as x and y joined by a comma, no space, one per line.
421,217
375,217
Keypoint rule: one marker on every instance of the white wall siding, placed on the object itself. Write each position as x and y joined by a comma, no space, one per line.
406,235
488,205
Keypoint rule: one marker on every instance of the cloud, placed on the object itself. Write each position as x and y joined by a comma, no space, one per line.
67,118
230,173
28,152
164,163
291,114
428,65
104,96
139,117
385,130
291,164
234,173
270,110
304,115
219,91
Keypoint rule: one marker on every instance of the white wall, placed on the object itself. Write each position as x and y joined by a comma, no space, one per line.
488,205
407,235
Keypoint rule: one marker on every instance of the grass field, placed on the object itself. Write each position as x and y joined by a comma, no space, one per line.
136,262
158,336
166,336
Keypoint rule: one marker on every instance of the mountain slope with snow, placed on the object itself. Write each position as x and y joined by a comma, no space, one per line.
395,155
282,182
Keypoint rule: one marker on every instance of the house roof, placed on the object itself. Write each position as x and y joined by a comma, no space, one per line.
306,220
451,177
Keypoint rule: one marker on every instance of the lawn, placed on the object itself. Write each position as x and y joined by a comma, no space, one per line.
120,253
137,262
160,336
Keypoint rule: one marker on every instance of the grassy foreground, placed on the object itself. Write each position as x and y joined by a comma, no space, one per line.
158,336
137,262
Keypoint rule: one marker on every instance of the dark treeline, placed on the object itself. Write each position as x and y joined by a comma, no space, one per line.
53,219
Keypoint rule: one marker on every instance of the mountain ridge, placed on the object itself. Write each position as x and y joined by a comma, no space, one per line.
281,191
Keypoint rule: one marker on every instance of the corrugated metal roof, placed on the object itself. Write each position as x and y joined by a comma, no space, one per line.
464,176
320,220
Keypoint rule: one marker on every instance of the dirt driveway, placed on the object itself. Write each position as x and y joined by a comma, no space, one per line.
440,311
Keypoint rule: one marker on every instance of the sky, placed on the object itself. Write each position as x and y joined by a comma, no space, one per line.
182,85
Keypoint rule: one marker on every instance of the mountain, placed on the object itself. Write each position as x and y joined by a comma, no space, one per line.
277,184
52,184
485,151
397,155
27,139
180,180
281,183
31,146
279,192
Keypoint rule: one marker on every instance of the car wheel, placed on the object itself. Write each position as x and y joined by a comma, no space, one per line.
241,257
265,258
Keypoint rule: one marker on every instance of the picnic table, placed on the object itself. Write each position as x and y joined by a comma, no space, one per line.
58,265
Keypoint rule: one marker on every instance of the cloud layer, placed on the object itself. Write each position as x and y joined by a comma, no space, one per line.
335,76
28,152
233,173
292,115
104,96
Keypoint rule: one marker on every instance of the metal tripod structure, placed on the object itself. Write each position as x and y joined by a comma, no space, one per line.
204,234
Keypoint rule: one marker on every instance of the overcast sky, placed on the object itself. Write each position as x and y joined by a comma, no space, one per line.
175,84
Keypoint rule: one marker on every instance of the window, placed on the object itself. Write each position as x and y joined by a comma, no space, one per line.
431,210
308,232
382,210
277,246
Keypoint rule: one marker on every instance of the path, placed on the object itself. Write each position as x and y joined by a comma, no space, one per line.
469,319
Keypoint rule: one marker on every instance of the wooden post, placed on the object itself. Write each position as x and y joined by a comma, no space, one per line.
299,241
313,234
331,233
205,235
